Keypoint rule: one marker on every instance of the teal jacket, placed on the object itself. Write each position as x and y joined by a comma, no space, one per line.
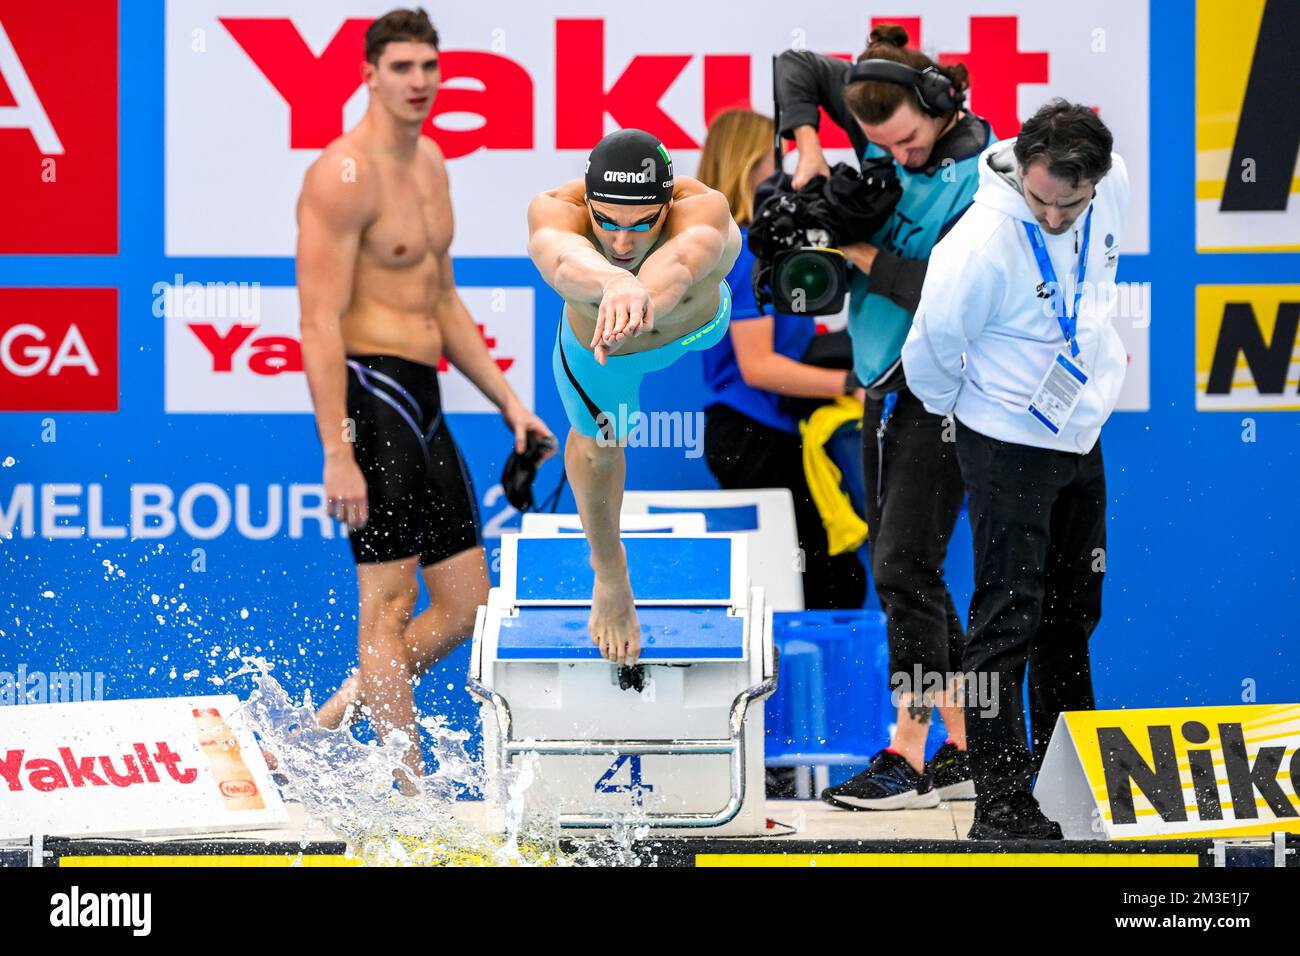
934,198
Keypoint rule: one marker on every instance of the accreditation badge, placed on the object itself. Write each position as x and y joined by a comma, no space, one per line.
1059,392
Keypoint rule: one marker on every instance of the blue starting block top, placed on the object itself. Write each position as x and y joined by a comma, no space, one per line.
576,528
667,634
726,518
678,569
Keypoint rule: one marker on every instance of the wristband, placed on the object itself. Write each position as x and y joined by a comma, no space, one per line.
850,382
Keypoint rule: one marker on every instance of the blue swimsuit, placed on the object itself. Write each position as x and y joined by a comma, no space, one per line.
600,399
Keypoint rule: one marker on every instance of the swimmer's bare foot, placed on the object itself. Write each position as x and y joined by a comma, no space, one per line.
614,627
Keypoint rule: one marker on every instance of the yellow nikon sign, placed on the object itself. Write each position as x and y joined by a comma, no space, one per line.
1175,772
1247,142
1247,347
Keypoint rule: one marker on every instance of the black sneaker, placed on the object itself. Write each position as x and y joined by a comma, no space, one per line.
888,783
949,768
1014,817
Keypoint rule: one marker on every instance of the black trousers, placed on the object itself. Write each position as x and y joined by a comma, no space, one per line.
744,453
1038,518
914,492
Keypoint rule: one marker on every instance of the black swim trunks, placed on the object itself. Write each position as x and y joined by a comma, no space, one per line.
420,497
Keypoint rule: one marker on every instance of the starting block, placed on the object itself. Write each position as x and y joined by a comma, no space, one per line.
539,523
675,743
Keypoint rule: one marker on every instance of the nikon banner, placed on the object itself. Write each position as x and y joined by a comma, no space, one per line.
1247,348
1247,151
1174,772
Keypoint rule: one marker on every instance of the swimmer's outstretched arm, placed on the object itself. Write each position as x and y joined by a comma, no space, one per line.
559,247
700,231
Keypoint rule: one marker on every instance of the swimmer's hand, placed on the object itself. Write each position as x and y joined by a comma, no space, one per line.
524,423
625,312
345,489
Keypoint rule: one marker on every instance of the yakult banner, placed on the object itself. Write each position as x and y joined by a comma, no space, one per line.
235,347
256,89
131,767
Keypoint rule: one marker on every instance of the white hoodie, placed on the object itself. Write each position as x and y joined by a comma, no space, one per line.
981,301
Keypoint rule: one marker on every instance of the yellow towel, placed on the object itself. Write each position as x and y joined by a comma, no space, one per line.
845,530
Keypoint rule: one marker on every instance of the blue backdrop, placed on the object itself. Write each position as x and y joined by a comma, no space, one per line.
1202,582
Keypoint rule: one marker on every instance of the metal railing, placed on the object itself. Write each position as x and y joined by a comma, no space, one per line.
733,746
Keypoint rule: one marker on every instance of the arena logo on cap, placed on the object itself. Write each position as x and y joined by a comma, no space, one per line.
618,176
58,350
58,130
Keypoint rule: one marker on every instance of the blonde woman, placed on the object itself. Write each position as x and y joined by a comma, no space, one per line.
749,440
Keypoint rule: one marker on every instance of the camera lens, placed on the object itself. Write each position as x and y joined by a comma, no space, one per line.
809,278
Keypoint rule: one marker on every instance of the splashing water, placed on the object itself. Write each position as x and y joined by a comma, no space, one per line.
348,787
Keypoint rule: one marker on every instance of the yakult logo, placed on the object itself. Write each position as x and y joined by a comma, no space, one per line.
58,350
45,774
316,86
553,86
259,354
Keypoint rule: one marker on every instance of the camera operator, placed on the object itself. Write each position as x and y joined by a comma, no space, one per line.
896,102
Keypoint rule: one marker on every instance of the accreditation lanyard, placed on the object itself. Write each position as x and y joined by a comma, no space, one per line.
1069,321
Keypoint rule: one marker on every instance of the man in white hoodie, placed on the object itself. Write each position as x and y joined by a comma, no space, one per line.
1013,338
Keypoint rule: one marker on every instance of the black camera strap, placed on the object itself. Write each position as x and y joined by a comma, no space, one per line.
778,148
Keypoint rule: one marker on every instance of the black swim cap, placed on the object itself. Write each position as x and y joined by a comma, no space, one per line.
630,167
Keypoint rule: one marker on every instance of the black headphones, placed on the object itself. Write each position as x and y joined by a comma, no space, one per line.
937,94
